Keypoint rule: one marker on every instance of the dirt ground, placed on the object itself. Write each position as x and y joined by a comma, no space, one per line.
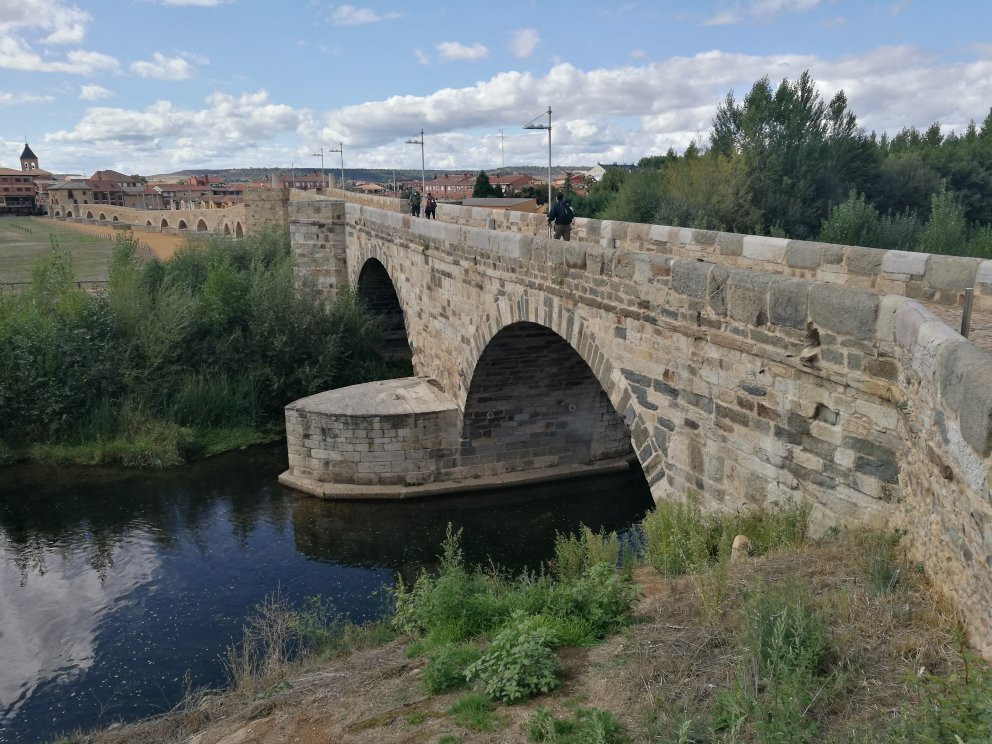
160,245
668,666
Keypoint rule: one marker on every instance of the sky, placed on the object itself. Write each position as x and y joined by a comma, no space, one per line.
155,86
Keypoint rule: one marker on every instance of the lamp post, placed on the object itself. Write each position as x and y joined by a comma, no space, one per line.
340,149
423,180
547,126
323,176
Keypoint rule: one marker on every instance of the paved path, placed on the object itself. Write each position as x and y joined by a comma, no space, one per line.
981,323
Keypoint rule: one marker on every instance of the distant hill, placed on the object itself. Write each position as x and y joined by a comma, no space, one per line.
373,175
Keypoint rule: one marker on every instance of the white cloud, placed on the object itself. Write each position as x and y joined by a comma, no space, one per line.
20,99
523,41
638,54
349,15
168,68
94,92
761,10
65,24
724,18
16,54
458,51
194,3
422,58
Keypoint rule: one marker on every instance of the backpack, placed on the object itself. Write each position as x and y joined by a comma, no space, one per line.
565,214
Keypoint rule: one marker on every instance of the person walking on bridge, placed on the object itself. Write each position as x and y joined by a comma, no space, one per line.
561,215
414,203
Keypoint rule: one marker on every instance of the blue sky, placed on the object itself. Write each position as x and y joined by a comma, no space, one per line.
153,86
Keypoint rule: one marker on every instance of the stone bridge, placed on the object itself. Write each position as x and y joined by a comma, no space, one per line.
735,371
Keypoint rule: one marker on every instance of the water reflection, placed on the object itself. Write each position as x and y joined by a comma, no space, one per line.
114,584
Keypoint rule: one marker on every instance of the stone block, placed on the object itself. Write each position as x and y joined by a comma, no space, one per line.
659,233
690,277
747,295
788,302
575,256
729,244
951,272
908,263
800,254
761,248
965,376
716,288
863,261
847,311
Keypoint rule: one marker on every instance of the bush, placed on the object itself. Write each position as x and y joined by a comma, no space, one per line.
576,553
445,668
520,661
676,539
599,602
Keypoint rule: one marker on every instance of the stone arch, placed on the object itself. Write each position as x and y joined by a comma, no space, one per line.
182,225
116,219
227,229
69,214
239,231
103,217
378,292
165,223
89,215
201,225
58,212
535,402
148,223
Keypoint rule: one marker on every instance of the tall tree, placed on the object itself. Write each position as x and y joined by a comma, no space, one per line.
483,188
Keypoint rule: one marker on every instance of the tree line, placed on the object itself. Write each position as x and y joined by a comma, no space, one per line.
785,162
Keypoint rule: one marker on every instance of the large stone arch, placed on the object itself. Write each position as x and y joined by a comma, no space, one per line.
377,291
227,228
89,214
568,326
201,225
182,225
239,232
165,223
533,402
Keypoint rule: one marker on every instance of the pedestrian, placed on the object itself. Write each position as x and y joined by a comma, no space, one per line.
561,216
430,211
414,203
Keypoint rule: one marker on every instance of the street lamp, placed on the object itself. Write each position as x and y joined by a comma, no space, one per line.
340,149
423,180
323,176
547,126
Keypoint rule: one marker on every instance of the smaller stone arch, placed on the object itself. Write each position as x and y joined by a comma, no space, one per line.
115,218
165,222
239,231
201,225
227,229
182,225
148,223
58,212
103,217
69,214
89,215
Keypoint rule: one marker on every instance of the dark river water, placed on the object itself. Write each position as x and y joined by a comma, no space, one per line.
114,585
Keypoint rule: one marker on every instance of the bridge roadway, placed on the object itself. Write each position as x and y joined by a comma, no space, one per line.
735,371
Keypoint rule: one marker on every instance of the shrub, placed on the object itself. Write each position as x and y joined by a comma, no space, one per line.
586,726
445,669
575,553
599,600
520,661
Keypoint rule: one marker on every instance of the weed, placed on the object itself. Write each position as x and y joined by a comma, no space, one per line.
416,718
445,669
575,553
448,739
474,711
586,726
676,539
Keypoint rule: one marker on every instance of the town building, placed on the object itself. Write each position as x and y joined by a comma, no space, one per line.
24,191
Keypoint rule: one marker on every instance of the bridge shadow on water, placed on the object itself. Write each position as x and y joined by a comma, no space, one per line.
514,528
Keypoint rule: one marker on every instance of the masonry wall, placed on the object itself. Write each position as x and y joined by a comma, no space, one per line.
317,240
266,207
739,388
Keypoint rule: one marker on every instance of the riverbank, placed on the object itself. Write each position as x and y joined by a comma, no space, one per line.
838,640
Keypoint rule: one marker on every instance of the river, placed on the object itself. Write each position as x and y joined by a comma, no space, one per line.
119,587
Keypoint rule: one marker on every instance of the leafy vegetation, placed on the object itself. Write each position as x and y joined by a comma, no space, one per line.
585,726
177,358
785,162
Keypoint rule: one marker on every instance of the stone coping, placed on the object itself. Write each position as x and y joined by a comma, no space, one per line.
352,492
404,396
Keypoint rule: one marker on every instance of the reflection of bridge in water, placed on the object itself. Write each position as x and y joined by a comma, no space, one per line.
519,522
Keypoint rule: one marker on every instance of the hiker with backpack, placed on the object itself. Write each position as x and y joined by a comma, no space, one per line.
561,216
414,203
430,208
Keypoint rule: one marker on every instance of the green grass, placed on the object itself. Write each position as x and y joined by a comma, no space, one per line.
19,249
585,726
474,711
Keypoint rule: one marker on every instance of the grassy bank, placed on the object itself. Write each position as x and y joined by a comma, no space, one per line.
176,359
676,639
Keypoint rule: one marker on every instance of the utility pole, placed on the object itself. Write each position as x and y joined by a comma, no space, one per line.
502,152
323,176
547,126
423,179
